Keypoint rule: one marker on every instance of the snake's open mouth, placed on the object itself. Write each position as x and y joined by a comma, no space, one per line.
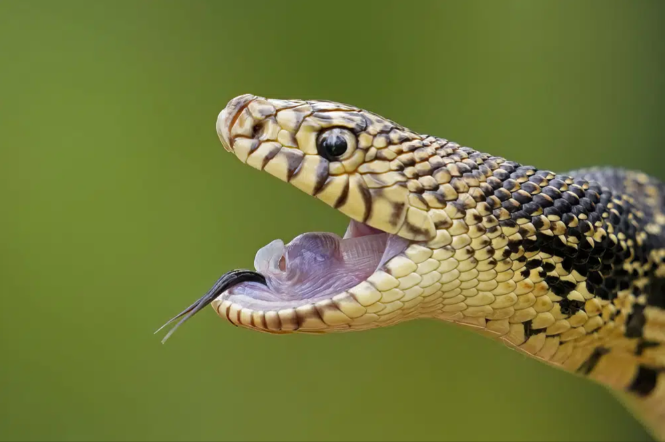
312,267
315,266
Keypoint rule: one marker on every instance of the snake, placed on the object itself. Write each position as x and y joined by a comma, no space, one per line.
567,268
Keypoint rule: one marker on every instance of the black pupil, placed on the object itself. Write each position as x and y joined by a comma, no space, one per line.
333,146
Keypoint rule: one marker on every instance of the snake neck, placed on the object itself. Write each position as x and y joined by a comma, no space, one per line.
566,267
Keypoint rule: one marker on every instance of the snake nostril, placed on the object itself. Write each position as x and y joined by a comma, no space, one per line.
257,130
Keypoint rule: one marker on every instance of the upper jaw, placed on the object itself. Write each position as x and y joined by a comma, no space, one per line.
244,114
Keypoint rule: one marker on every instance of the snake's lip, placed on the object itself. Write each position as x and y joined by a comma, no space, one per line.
228,116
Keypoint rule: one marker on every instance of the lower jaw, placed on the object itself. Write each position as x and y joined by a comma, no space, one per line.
347,311
342,311
340,314
329,307
320,316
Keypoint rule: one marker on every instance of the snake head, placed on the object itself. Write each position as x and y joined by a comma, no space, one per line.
392,183
351,159
362,164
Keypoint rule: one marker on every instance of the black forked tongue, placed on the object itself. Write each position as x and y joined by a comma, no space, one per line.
228,280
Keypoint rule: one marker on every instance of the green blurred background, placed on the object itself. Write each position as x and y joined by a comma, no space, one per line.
120,207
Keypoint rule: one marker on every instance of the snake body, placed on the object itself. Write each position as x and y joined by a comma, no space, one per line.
567,268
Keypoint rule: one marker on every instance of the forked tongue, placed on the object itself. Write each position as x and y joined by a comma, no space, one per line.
228,280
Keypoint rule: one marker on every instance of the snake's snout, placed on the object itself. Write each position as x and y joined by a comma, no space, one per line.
228,117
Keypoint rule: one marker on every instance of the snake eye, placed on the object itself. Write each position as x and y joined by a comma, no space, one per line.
336,144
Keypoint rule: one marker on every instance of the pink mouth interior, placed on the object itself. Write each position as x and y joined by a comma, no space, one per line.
315,266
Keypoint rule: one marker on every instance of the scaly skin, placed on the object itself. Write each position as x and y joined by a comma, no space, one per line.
567,268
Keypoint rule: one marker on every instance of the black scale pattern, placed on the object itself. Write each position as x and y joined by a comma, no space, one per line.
596,201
